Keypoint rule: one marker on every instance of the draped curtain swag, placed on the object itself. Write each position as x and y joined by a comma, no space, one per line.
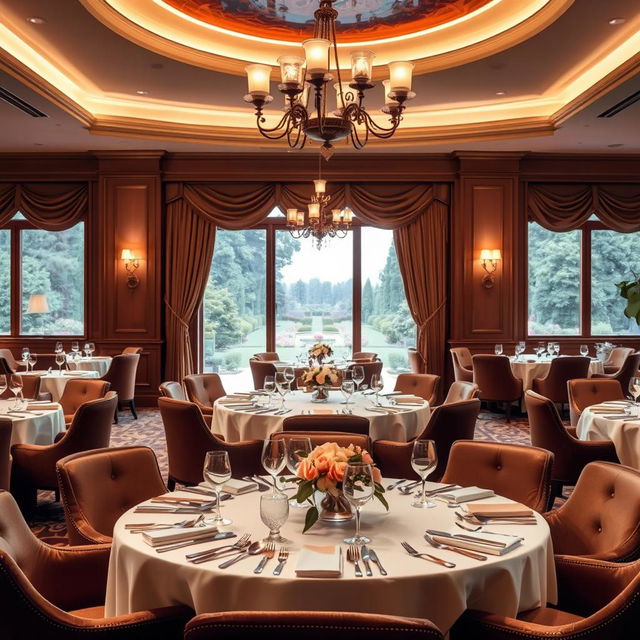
563,207
417,213
49,206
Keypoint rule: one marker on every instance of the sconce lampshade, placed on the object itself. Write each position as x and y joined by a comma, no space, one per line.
38,303
127,254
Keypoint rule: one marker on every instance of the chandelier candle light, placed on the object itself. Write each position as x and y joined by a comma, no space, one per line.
306,113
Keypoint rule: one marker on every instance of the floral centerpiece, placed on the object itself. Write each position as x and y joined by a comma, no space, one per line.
320,352
323,470
318,378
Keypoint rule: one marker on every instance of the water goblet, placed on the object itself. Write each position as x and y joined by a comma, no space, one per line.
520,349
498,349
274,458
358,376
550,349
282,386
297,450
15,385
33,358
584,350
556,348
423,460
274,512
269,386
358,488
60,360
217,472
347,387
377,384
92,349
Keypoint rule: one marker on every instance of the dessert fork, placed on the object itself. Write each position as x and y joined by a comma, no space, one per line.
268,553
353,555
282,559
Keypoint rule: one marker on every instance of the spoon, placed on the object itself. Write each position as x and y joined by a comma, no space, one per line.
253,550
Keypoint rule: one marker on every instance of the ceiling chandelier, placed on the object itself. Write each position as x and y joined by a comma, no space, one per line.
305,85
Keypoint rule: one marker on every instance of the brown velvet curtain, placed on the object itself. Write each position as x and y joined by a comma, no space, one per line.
563,207
49,206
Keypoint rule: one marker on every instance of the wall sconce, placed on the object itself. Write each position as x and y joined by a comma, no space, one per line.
131,263
489,261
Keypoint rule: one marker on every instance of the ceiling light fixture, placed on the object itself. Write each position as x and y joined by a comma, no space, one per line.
305,85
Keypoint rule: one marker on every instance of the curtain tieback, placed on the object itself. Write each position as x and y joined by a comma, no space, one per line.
423,325
178,317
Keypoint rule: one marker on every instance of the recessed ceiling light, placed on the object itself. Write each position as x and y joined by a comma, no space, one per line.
617,20
142,92
501,93
616,145
36,20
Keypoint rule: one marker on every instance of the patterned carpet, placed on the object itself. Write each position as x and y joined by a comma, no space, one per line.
48,522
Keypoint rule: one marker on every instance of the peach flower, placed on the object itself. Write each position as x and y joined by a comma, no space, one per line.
307,470
336,472
377,476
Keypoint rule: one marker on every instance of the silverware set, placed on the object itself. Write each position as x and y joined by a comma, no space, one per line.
355,554
426,556
446,547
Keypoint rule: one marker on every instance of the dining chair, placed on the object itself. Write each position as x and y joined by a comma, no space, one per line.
601,517
561,370
132,350
370,369
6,429
260,369
597,601
34,466
570,454
341,438
310,625
462,363
447,423
585,392
204,389
415,360
460,390
521,473
98,486
341,423
58,593
267,356
122,377
495,380
30,388
616,359
172,389
189,438
8,364
364,356
423,385
78,391
623,375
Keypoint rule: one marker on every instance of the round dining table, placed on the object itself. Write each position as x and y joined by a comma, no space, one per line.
618,427
54,382
528,366
140,578
100,364
397,423
39,424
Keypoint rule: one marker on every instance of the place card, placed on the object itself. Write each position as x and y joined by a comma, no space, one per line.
319,562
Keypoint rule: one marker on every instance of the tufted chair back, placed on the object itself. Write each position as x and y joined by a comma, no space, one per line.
415,360
601,518
516,471
585,392
462,364
423,385
132,350
628,369
78,391
554,384
616,359
6,428
8,364
459,391
364,356
343,424
172,389
30,387
259,371
122,375
318,438
267,356
204,389
493,376
98,486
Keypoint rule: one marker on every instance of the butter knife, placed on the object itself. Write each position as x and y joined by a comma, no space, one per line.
366,556
374,557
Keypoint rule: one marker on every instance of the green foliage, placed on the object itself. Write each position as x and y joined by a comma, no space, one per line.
232,361
221,315
398,361
630,291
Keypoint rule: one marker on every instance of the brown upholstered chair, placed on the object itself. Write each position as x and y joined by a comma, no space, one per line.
30,388
462,364
122,377
310,625
317,438
189,438
459,391
554,384
586,392
78,391
132,350
98,486
6,428
423,385
415,360
348,424
447,423
515,471
616,359
625,372
259,371
171,389
601,518
497,383
267,356
570,454
8,364
58,593
204,389
364,356
370,369
34,466
597,601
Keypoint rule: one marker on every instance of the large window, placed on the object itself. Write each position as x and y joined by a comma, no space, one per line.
572,280
5,281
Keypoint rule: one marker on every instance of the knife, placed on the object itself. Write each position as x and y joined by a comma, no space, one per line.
462,536
374,557
221,535
366,556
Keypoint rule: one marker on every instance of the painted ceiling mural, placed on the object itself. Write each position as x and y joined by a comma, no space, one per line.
358,19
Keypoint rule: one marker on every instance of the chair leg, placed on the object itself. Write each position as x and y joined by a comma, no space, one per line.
508,412
556,489
171,484
132,406
115,415
56,495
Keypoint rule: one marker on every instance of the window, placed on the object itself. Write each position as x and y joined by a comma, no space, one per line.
5,281
572,278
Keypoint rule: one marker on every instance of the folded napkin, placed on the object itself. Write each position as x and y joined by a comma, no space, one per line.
465,494
498,510
322,412
409,399
167,536
77,372
319,562
495,544
43,407
237,487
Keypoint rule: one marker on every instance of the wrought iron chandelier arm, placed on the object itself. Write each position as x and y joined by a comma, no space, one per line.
359,115
294,119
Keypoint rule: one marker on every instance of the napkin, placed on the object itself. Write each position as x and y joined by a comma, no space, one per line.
43,407
465,494
167,536
77,372
322,412
499,510
319,562
495,544
236,487
409,399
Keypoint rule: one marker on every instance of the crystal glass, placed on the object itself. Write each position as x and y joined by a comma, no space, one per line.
520,349
584,350
550,348
33,358
347,388
290,375
634,388
15,384
217,472
358,488
540,349
60,360
92,349
269,386
3,384
358,375
25,354
274,458
498,350
59,348
274,512
282,386
75,347
87,349
297,449
424,460
377,384
556,348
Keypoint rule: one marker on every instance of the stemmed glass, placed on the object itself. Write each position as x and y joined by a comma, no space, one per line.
60,360
282,386
423,460
634,388
358,376
377,384
87,349
33,358
540,349
269,386
274,458
584,350
59,348
25,355
274,512
498,349
290,375
75,347
217,472
15,384
520,349
556,348
297,450
358,488
347,387
3,384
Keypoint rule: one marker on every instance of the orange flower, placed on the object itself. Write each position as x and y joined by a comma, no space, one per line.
377,476
307,470
323,463
336,473
366,457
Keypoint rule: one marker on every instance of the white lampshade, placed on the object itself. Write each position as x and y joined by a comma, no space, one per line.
496,255
314,210
316,52
347,215
291,69
486,254
320,185
336,215
292,216
400,75
258,78
361,65
390,102
127,254
300,219
38,303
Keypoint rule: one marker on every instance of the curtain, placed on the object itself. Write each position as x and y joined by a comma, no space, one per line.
563,207
49,206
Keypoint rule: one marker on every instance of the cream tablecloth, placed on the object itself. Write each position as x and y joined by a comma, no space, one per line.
623,432
98,363
237,425
140,578
34,429
54,383
528,367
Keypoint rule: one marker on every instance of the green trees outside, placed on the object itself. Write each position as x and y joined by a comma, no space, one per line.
5,281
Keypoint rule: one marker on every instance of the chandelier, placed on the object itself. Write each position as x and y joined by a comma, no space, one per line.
305,86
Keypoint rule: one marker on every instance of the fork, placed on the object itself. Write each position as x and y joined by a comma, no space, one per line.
242,542
353,555
185,524
426,556
446,547
268,553
282,559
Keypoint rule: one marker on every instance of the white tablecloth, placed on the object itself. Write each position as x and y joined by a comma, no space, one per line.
54,383
140,578
624,433
528,367
34,429
99,363
238,425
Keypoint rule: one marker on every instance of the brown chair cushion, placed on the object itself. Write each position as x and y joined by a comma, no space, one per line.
549,617
423,385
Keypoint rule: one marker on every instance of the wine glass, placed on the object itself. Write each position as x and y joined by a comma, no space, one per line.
3,384
358,375
498,349
75,347
274,458
377,384
423,460
550,348
15,384
33,358
347,387
358,488
25,355
92,349
540,349
297,449
290,375
217,472
282,386
274,512
584,350
87,349
520,349
59,348
60,360
556,348
634,388
269,386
